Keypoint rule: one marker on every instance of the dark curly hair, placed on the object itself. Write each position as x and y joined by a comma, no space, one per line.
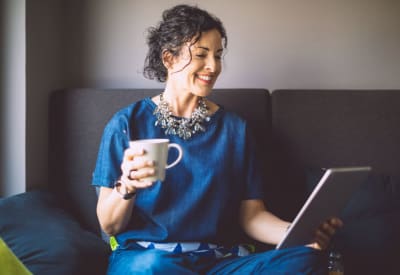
179,25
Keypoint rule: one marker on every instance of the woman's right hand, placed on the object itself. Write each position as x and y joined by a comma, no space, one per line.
134,170
114,212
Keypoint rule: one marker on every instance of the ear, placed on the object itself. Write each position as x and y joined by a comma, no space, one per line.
167,59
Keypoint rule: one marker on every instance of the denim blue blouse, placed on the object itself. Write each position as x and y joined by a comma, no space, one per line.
200,197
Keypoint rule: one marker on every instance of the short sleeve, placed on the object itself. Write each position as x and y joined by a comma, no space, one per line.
113,143
254,174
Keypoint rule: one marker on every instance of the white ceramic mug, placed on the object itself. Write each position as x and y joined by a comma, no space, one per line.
157,150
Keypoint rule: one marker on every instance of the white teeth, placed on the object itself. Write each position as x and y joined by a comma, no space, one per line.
205,77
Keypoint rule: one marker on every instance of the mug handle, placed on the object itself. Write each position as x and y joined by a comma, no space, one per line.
180,154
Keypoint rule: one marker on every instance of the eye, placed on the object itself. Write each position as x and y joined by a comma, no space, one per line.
200,55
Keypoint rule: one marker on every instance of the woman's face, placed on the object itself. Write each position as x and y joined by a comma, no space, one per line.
196,70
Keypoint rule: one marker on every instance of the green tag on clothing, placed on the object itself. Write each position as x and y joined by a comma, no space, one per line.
113,243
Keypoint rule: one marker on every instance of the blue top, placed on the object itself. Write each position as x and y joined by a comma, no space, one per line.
200,197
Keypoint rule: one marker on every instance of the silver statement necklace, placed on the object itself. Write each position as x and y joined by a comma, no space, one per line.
182,127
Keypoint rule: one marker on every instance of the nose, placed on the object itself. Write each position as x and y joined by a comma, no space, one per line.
211,64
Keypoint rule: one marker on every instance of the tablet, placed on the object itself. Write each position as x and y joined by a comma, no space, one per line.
327,200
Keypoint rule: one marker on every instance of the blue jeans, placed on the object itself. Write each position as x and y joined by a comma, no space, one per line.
137,260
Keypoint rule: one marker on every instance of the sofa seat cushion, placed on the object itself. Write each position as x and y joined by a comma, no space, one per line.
47,239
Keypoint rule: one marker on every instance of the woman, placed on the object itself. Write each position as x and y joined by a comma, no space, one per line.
187,223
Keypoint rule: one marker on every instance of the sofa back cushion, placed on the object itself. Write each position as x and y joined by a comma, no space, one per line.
328,128
77,120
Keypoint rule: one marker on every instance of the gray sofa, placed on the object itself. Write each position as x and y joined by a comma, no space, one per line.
55,230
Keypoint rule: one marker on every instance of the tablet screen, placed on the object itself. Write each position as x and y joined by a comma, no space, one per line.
327,200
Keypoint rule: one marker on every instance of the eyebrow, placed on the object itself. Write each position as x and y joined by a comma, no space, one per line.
207,49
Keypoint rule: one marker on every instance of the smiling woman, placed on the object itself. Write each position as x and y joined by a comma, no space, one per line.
198,66
179,28
190,222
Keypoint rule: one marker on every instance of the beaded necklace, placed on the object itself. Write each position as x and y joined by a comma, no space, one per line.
182,127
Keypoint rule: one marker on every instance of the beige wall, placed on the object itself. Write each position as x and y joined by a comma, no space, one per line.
272,44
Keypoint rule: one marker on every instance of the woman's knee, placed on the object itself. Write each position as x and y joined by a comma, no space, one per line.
150,261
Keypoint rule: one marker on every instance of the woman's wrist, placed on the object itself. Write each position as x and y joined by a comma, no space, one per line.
122,191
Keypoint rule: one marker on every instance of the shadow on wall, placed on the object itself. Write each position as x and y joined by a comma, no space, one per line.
77,50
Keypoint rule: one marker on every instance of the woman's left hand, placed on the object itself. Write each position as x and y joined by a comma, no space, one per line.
325,232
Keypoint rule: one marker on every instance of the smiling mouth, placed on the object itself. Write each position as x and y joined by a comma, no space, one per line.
205,78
